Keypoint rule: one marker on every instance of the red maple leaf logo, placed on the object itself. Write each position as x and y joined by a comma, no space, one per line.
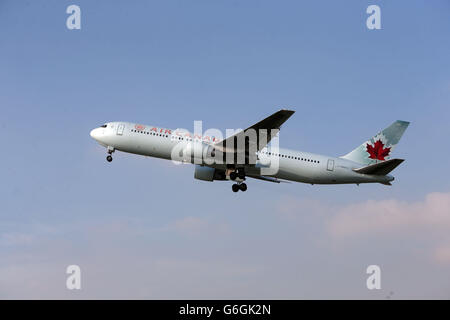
378,151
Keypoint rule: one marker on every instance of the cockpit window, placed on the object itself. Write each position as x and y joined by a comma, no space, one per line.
103,126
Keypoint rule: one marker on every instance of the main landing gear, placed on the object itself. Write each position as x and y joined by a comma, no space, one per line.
109,158
241,186
240,173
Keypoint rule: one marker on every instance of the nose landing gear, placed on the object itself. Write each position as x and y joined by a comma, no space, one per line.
109,158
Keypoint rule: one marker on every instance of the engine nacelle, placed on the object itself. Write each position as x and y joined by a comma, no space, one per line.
198,152
204,173
208,174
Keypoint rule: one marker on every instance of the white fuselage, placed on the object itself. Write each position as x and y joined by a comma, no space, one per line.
292,165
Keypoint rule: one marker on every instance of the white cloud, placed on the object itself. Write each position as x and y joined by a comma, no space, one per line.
425,223
15,239
392,215
290,255
442,254
197,226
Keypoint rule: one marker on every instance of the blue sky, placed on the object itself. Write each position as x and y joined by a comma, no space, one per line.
161,234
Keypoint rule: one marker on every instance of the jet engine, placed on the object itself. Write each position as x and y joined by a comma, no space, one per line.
198,153
208,174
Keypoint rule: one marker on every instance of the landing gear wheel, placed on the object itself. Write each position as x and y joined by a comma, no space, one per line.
110,151
233,175
243,187
235,187
241,174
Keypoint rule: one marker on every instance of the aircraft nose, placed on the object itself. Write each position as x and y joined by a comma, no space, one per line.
95,133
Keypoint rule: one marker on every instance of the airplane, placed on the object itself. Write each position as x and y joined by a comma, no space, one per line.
370,162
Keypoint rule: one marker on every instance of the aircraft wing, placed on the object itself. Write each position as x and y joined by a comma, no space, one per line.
256,132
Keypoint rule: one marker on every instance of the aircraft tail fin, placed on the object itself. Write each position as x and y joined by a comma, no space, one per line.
380,147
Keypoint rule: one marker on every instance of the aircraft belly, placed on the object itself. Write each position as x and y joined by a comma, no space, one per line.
310,173
145,146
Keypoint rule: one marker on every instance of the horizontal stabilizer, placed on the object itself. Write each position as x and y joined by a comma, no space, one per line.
381,168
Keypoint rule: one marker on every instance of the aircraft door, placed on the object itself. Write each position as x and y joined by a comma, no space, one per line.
330,165
120,129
